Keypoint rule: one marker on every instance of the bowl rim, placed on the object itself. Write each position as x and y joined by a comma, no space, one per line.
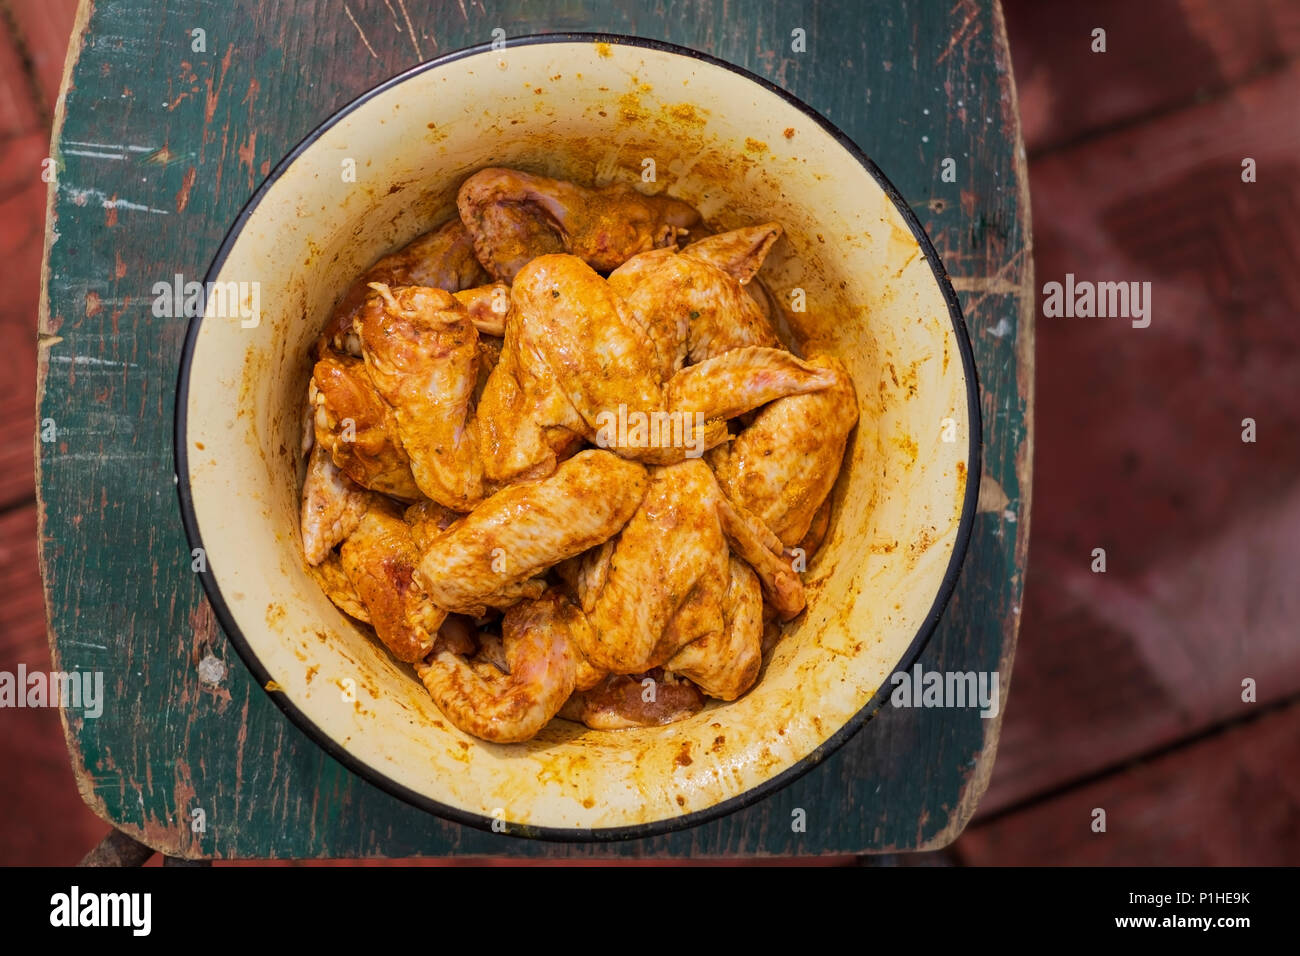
767,787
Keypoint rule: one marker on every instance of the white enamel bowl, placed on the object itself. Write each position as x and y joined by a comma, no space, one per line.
590,109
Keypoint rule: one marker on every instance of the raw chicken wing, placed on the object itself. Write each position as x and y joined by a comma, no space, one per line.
379,558
781,468
442,258
515,216
421,351
527,528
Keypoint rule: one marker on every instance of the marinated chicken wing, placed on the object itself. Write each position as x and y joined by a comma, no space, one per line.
514,217
781,468
725,662
742,379
634,700
570,320
421,351
442,259
358,428
668,582
694,303
577,363
512,705
332,506
379,558
755,542
527,425
739,252
603,358
527,528
334,581
487,306
658,587
428,520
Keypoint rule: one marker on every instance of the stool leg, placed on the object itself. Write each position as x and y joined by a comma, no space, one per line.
117,849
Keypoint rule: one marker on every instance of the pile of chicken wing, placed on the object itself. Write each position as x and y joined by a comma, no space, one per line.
486,486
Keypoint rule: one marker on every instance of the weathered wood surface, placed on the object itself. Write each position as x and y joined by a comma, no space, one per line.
158,148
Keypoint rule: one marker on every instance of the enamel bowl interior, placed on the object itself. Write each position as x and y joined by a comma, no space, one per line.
593,113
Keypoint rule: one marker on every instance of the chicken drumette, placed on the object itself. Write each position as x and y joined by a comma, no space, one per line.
442,258
515,217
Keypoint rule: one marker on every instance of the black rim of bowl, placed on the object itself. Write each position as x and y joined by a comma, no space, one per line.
670,824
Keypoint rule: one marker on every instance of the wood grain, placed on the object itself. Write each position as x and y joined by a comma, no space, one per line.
191,135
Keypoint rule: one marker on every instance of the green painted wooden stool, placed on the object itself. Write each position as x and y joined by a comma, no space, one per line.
170,117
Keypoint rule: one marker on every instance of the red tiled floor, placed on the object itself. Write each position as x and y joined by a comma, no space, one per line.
1232,799
1160,55
1139,446
19,111
44,26
45,820
22,230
